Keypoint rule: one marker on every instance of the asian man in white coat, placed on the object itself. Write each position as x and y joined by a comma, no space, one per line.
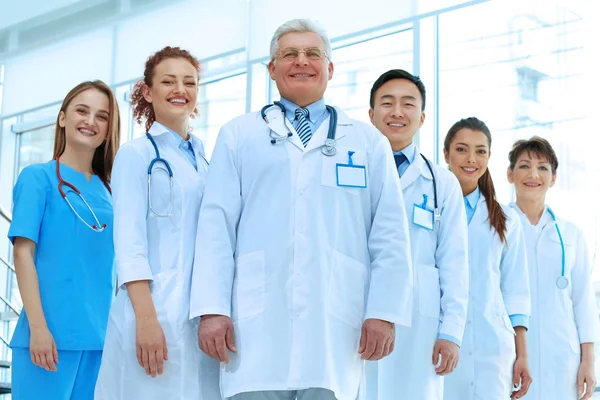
429,349
302,266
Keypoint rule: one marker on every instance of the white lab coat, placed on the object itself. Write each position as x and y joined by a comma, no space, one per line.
562,318
296,261
161,250
499,287
441,282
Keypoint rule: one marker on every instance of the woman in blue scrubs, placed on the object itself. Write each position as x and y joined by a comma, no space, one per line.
63,250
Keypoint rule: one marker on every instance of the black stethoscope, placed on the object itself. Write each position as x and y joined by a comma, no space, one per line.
328,148
436,213
165,163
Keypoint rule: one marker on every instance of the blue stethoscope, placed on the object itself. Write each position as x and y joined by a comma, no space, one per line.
165,163
328,148
562,282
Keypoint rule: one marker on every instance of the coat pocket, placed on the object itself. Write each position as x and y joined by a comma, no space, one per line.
248,298
429,291
347,282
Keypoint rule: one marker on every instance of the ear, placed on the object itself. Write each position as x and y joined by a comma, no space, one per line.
553,181
371,114
147,93
330,71
271,68
422,119
510,175
446,157
61,119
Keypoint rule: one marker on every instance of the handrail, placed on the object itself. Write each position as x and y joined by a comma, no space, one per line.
8,265
4,341
9,304
5,214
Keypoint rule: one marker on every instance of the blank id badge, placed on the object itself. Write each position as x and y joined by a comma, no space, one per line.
351,175
422,216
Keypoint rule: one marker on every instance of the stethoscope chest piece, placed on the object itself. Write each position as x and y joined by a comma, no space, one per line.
562,282
329,147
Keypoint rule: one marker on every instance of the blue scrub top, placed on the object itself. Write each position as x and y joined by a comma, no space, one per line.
75,265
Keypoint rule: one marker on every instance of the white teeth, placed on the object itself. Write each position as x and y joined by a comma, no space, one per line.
532,184
396,125
181,101
469,169
302,75
86,131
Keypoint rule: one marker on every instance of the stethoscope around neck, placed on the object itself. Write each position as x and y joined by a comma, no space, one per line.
328,147
159,160
98,226
562,282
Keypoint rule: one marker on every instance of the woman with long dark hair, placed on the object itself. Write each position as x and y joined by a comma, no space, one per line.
493,355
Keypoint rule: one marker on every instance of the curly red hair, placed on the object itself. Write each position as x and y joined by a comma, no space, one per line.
142,110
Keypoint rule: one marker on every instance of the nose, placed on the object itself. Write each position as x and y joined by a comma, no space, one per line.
397,111
471,157
179,87
301,59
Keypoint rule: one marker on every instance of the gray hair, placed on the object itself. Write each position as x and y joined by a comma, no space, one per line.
299,25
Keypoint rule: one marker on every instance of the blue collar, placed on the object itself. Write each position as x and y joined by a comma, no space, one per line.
473,198
176,138
409,152
315,109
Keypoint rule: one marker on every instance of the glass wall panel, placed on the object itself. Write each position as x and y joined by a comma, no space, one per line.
357,66
36,146
218,102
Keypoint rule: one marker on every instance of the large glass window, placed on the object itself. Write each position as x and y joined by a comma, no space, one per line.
358,65
218,102
1,85
36,146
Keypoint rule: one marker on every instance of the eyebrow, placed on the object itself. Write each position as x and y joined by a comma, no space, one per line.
88,107
389,96
479,145
173,76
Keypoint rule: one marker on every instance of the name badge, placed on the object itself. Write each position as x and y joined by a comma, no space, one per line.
351,175
422,216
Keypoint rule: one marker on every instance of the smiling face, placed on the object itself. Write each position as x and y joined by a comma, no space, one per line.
302,79
467,156
85,120
174,90
532,177
397,112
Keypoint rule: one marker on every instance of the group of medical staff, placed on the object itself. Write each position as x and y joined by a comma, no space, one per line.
317,257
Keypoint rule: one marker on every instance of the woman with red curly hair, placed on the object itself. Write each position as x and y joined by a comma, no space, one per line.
151,350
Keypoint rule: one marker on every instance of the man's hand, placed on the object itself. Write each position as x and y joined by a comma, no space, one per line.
377,339
215,336
450,353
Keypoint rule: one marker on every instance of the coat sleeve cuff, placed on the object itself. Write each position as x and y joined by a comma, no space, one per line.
131,272
403,320
519,320
199,312
450,339
453,329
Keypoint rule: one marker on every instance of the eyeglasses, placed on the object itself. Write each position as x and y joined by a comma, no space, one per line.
291,54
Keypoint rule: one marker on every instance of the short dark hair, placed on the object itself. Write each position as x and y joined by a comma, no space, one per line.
536,145
397,74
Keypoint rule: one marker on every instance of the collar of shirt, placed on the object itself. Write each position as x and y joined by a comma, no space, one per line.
473,198
178,140
409,152
315,110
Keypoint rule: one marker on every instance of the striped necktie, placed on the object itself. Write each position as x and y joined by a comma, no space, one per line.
303,127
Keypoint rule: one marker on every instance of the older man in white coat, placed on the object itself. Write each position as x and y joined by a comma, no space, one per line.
439,246
302,262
